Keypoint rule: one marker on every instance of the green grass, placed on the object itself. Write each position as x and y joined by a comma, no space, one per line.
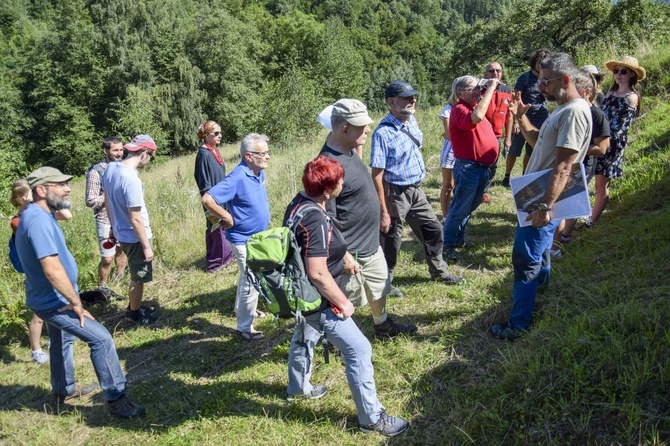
595,369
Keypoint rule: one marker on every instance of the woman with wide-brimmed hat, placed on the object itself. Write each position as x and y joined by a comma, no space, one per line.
621,105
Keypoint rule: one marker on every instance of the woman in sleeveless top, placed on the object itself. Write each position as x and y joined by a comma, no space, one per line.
621,105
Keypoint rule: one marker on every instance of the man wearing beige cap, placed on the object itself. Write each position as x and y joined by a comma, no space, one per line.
356,214
128,215
52,293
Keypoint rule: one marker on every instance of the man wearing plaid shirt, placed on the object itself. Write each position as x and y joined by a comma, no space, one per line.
397,172
112,147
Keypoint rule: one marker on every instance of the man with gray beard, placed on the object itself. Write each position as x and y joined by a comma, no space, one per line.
52,293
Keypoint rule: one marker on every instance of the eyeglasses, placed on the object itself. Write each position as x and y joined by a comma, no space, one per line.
151,154
216,133
263,154
545,82
494,70
469,90
623,71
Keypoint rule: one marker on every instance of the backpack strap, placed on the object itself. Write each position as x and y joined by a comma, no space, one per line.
402,129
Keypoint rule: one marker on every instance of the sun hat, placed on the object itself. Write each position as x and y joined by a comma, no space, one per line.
140,142
353,111
46,174
628,62
400,89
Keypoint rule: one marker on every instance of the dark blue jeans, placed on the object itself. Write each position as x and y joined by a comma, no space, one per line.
470,180
532,269
64,328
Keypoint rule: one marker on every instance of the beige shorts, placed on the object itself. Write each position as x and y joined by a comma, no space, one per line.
371,283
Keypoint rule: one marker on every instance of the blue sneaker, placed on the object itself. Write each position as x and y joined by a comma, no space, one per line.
386,425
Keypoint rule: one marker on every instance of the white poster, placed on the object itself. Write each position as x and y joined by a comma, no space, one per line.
573,202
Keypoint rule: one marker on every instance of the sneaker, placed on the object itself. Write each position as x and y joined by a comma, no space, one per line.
386,425
316,393
78,392
486,198
586,222
504,332
125,408
40,357
505,181
555,253
146,316
395,292
450,279
451,254
389,329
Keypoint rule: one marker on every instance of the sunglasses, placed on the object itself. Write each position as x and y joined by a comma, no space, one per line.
545,82
216,133
623,71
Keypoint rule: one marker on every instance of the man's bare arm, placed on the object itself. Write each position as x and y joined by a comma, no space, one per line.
377,175
58,278
138,228
217,211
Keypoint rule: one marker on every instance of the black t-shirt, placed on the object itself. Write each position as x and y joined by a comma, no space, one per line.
600,127
355,211
317,238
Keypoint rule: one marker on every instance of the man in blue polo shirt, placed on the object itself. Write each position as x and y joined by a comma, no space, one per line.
397,173
246,212
52,293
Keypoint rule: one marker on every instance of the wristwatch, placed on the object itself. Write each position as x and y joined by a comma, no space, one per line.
544,207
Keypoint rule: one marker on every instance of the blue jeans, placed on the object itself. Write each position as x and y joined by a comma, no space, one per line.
532,269
357,353
470,180
64,328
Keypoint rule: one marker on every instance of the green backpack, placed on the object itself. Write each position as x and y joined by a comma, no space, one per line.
276,270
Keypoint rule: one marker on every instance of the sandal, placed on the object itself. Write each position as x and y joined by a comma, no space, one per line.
249,336
565,238
259,314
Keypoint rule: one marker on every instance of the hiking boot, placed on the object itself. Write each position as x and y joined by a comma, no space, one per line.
505,181
316,393
451,254
486,198
450,279
78,392
40,357
504,332
389,329
145,316
386,425
395,292
125,408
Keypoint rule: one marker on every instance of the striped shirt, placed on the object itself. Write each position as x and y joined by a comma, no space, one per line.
395,151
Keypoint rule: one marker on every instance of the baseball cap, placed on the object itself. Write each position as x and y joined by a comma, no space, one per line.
45,175
141,142
353,111
401,89
591,69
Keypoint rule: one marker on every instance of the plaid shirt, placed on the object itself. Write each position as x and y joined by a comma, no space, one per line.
396,153
95,196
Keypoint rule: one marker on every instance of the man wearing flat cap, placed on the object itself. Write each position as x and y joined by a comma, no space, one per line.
397,172
356,214
52,293
128,215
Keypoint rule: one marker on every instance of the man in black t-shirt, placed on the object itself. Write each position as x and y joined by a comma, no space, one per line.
355,212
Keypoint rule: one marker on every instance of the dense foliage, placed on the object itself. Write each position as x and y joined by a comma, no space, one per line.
75,71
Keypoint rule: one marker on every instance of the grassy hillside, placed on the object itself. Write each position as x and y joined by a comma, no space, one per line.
595,369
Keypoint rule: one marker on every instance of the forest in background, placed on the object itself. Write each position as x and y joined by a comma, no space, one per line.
75,71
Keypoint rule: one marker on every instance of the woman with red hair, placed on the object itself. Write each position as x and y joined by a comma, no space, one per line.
209,170
322,248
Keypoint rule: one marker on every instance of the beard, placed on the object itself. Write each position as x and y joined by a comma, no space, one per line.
56,203
556,97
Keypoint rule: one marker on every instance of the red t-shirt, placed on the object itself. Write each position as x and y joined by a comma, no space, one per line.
497,111
472,142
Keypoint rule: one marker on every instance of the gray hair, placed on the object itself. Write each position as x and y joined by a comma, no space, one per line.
459,84
337,122
560,64
586,80
250,141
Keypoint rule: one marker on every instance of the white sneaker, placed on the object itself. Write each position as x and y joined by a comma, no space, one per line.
40,357
555,253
